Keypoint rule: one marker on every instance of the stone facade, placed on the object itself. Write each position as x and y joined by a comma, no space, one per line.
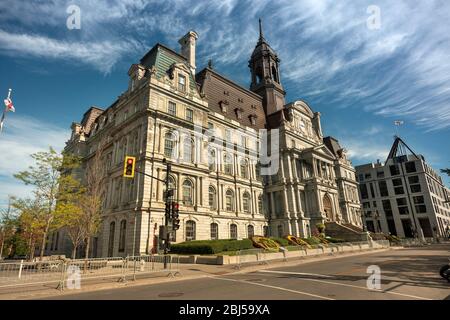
210,129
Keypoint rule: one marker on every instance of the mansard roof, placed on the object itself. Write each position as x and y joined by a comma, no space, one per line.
221,90
162,59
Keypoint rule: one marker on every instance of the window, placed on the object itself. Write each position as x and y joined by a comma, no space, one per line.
212,160
246,202
228,135
413,179
228,163
112,231
414,184
169,145
190,230
363,190
398,186
419,202
260,205
387,207
280,231
380,174
372,191
367,176
122,235
229,200
394,170
233,231
181,83
244,169
265,231
212,198
189,115
172,108
187,192
188,150
210,126
410,167
250,231
214,231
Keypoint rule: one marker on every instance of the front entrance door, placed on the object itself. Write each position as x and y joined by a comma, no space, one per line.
328,208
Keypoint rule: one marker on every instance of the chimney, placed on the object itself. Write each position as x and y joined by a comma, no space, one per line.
188,48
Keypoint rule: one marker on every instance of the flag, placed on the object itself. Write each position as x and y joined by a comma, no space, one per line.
9,105
398,122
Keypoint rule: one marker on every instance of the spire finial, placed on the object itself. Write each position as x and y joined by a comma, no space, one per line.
260,30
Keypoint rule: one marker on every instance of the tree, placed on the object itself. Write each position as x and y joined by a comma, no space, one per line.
31,223
91,200
7,225
447,171
46,177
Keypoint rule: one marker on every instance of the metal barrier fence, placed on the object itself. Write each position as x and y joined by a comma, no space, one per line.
71,272
262,256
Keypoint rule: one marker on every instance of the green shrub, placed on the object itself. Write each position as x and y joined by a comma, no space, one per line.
334,240
282,242
210,246
312,240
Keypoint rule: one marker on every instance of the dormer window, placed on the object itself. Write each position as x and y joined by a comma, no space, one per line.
239,112
181,83
223,106
253,118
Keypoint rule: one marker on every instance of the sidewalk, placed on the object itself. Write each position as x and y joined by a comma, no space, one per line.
187,272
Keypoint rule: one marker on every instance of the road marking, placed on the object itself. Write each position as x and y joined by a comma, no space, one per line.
346,285
297,273
274,287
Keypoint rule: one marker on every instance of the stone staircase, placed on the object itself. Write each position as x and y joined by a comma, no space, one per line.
346,232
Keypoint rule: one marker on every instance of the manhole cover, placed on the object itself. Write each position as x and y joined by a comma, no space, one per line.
170,294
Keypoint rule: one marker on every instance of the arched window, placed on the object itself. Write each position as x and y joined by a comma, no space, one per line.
188,192
190,230
212,198
212,160
112,231
233,231
250,231
246,202
214,231
244,169
228,163
170,145
260,204
188,150
122,235
229,200
274,74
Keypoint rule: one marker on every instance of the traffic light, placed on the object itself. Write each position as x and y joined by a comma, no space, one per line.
175,216
128,167
167,210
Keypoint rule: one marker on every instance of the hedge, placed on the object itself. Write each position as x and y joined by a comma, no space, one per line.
210,246
281,241
334,240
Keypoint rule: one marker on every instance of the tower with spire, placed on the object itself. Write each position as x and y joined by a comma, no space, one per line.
264,65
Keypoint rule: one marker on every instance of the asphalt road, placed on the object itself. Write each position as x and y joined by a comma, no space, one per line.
405,274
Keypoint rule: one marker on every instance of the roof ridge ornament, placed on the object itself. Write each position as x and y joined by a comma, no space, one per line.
261,36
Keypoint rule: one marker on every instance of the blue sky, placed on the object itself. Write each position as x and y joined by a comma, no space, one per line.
360,79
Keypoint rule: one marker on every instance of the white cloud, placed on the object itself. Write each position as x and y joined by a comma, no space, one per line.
102,55
21,137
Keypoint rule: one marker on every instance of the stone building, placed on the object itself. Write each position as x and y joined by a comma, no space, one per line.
404,196
210,128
